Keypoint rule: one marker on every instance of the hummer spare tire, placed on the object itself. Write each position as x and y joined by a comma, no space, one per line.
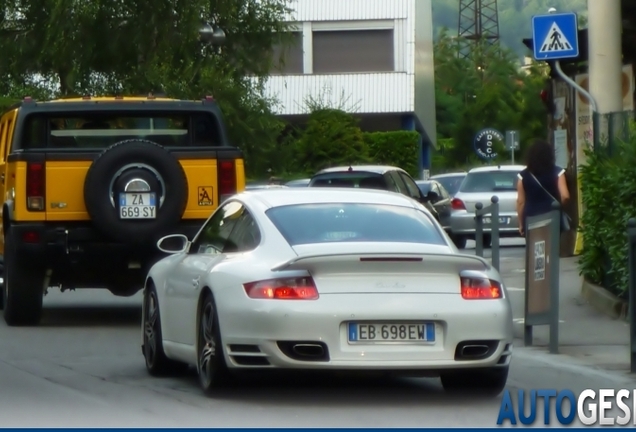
135,191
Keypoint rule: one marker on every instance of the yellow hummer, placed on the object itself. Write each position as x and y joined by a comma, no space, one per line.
91,184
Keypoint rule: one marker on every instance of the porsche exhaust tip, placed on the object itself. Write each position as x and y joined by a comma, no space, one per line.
308,350
476,349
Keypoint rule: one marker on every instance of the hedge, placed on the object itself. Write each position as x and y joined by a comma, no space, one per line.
396,148
608,187
330,138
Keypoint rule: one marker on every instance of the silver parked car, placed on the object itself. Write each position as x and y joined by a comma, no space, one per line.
450,181
480,185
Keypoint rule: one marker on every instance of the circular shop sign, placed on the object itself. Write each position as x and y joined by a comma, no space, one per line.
485,143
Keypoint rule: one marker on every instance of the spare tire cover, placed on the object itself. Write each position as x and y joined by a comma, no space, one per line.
128,171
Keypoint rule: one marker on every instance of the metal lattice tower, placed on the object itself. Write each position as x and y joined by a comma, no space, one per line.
478,20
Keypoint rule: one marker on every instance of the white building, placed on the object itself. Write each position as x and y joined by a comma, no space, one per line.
371,57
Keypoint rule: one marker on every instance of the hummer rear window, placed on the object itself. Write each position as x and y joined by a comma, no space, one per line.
101,130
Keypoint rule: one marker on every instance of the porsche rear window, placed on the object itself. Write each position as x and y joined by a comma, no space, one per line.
98,130
328,223
355,179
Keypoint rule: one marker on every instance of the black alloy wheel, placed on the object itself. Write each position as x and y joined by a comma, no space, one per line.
157,363
213,371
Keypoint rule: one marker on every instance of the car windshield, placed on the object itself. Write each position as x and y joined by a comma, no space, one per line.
354,179
98,130
333,222
490,181
451,183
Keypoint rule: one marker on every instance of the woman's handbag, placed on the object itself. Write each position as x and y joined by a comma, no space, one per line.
565,218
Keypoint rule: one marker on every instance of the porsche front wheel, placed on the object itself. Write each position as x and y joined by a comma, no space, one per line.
157,363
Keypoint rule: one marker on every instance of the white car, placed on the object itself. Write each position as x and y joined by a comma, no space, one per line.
328,279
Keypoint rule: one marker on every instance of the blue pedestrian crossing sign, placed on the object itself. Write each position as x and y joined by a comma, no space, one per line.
555,36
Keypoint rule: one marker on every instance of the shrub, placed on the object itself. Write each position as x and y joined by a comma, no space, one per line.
396,148
331,138
608,186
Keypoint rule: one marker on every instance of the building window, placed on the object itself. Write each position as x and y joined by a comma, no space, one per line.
353,51
291,55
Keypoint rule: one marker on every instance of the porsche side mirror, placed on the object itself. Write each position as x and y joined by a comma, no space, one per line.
173,244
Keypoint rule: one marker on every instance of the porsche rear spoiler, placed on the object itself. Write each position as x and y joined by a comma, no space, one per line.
435,261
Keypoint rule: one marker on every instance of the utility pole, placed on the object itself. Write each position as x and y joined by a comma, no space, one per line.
478,21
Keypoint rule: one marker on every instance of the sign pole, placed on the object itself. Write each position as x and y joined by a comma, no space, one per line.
512,143
567,79
555,37
554,261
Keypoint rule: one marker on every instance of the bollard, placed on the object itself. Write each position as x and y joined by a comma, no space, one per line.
631,294
479,230
494,232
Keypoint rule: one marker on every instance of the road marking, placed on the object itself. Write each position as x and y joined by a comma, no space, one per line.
522,320
515,289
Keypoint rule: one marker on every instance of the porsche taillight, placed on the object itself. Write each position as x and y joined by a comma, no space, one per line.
35,186
476,288
300,288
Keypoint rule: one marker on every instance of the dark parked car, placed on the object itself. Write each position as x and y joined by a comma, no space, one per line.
439,198
381,177
450,181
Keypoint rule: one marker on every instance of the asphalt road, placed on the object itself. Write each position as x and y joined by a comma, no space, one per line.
83,367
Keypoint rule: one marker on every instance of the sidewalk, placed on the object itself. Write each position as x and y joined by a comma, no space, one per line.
592,338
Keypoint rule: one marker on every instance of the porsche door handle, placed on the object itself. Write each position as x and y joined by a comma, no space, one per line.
195,281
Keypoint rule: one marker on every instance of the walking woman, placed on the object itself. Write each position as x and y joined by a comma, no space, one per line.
540,184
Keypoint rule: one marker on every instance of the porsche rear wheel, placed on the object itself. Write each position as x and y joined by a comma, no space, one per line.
157,363
213,371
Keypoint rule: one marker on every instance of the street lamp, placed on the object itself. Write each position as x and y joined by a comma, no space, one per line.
211,35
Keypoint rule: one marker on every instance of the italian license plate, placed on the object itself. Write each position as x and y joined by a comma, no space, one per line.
391,332
137,206
502,220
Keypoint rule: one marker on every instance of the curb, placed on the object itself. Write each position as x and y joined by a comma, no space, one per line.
604,301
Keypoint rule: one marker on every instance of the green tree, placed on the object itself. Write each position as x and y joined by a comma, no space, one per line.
488,89
72,47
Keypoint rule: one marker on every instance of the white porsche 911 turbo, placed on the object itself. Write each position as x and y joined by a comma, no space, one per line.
327,279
